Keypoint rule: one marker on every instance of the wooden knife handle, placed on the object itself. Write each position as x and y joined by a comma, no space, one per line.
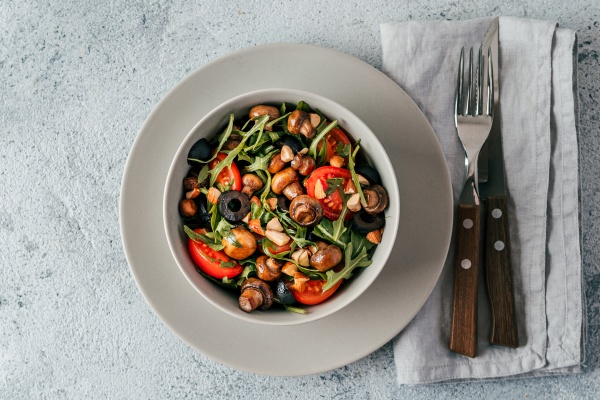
463,331
499,275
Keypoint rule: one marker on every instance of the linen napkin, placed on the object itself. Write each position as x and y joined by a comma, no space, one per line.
539,129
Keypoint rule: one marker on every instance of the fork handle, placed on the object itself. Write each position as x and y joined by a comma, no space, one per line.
499,275
463,330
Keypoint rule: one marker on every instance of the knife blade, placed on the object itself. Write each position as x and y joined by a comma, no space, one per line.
497,242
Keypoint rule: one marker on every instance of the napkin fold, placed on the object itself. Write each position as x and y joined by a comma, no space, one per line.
538,93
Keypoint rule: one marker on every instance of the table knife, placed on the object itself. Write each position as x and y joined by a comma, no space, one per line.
498,269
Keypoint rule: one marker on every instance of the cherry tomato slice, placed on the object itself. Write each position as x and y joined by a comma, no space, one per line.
312,292
209,260
333,140
228,173
332,204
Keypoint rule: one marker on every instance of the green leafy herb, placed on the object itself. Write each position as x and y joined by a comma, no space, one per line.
266,187
228,264
333,184
224,136
226,162
359,241
282,109
353,172
324,230
203,174
224,229
267,246
277,120
199,237
302,106
297,310
343,150
260,163
313,146
351,263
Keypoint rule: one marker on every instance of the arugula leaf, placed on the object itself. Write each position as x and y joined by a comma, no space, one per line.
249,269
266,187
267,246
276,120
351,263
297,310
343,150
199,237
359,241
224,229
215,217
260,163
333,184
225,282
313,146
226,162
282,109
228,264
302,106
353,172
203,174
324,230
224,136
339,226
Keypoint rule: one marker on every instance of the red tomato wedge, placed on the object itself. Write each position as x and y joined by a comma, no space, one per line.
209,260
312,292
332,204
228,174
333,140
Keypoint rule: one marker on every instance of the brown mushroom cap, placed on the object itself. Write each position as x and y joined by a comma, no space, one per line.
245,239
327,258
187,208
268,269
251,183
261,109
306,211
255,293
299,123
282,179
377,199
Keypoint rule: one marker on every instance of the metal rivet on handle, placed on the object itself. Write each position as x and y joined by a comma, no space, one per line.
499,245
496,213
466,264
468,223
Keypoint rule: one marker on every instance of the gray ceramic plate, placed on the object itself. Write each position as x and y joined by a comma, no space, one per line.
392,300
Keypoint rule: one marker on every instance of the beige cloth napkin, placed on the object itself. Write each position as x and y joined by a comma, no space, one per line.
539,127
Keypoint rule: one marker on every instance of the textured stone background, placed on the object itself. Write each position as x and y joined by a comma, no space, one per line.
77,79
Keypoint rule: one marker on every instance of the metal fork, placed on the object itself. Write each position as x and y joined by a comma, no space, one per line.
473,127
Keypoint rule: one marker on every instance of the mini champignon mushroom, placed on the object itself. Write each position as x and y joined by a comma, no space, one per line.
232,142
188,208
276,164
283,179
268,269
299,123
261,109
303,164
252,183
306,211
327,258
376,199
255,294
245,239
293,190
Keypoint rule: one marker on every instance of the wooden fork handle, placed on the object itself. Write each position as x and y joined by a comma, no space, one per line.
463,330
499,275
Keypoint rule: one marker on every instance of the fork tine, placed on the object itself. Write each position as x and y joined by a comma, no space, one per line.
479,110
468,103
490,99
459,85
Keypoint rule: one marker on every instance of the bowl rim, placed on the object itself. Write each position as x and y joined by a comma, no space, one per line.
391,234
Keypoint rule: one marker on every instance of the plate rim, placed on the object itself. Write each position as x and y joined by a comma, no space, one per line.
143,132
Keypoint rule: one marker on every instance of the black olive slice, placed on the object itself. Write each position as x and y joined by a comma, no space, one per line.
283,203
234,205
202,214
288,140
284,294
199,151
366,223
370,173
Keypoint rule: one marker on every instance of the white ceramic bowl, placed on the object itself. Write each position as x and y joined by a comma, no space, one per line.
210,125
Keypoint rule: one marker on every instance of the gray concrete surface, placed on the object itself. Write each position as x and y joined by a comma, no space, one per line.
77,79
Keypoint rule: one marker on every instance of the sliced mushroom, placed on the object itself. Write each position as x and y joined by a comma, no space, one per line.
327,258
376,199
268,269
283,179
306,211
299,123
245,239
252,183
255,294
